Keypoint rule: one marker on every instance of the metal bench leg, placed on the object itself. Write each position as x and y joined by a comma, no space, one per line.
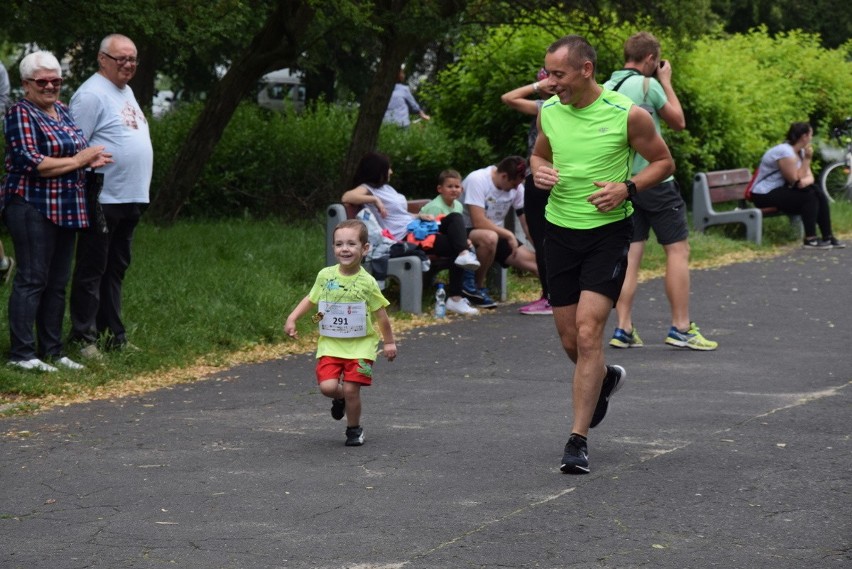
754,229
498,279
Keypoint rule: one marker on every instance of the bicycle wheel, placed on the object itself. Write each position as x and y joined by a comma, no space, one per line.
836,181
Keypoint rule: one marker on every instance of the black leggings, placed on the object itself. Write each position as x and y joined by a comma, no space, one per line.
451,238
535,201
810,202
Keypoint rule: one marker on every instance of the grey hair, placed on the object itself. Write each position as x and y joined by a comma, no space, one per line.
39,60
105,43
579,50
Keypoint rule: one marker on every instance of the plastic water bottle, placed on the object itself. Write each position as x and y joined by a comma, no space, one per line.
440,302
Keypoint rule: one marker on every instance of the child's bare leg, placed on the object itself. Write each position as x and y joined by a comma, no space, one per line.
331,388
352,394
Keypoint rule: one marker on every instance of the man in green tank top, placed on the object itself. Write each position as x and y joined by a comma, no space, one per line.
587,141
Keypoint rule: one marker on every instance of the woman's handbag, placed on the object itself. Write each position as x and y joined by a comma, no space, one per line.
94,185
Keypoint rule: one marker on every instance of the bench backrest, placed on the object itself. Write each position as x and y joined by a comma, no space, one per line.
727,185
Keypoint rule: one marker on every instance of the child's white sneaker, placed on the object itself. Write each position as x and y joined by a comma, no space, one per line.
467,260
461,306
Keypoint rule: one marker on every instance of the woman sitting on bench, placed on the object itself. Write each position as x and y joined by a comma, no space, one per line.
784,180
391,209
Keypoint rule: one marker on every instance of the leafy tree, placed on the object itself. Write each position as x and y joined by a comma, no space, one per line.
276,45
739,92
184,40
831,19
466,94
293,28
402,25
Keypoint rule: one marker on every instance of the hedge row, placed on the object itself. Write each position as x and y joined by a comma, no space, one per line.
283,165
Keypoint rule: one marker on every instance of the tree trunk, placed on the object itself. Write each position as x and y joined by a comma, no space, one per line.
396,46
143,82
275,46
365,135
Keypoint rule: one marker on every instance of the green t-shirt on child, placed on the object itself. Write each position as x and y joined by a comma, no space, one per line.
439,207
332,286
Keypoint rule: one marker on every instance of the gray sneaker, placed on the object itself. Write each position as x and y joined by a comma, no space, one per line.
576,457
354,436
91,352
814,243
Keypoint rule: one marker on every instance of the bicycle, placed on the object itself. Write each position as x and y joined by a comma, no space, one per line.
836,178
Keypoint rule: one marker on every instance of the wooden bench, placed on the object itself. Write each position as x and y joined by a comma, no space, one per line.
407,271
725,186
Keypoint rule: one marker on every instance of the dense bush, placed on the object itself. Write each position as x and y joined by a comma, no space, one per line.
286,165
739,93
266,163
422,151
466,95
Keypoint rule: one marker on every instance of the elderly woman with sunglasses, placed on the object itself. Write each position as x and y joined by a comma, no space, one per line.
44,205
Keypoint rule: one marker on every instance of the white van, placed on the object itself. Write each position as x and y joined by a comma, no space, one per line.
281,90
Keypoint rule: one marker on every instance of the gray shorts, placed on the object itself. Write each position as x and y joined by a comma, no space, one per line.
662,209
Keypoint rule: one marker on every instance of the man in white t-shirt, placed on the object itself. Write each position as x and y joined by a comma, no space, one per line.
489,194
106,110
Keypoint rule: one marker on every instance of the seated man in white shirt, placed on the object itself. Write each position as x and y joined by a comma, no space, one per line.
489,194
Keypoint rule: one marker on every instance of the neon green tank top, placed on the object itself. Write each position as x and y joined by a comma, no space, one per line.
589,145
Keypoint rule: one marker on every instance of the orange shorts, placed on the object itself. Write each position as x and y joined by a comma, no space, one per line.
356,371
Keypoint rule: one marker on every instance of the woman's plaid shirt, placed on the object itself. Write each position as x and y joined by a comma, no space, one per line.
31,135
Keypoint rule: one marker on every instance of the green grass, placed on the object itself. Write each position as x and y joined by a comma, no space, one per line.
202,291
195,289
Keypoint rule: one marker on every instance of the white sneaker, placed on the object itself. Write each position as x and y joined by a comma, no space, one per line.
34,363
461,306
467,260
69,363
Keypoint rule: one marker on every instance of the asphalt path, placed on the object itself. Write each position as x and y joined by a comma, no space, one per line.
733,458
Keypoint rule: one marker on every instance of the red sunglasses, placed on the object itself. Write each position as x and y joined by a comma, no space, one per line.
42,83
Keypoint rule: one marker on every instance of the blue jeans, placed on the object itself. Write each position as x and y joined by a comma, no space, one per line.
44,253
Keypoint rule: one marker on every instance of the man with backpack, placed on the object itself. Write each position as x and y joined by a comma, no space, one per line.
647,80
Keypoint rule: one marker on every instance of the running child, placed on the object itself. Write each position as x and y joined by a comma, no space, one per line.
347,301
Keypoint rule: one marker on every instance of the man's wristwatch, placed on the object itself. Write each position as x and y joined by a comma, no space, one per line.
631,188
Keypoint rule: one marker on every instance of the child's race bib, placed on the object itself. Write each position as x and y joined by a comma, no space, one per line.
343,319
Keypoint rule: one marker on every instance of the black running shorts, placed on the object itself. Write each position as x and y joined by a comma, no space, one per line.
586,259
